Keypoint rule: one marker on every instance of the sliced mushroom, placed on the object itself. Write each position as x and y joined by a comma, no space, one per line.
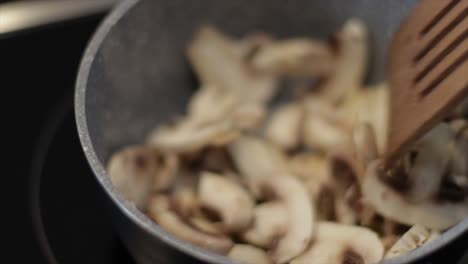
284,126
324,134
429,157
365,145
415,237
133,171
301,214
231,201
185,201
255,157
270,223
187,136
342,244
310,166
294,57
211,104
218,62
165,176
370,105
394,205
159,210
207,226
249,254
351,62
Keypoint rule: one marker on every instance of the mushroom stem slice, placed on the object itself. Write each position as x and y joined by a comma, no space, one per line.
301,214
159,211
396,206
340,244
249,254
270,223
284,126
415,237
255,157
231,201
310,166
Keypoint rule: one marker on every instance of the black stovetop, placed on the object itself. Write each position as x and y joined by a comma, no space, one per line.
58,213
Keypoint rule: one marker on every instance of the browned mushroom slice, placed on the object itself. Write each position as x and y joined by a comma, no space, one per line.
228,199
342,244
270,223
284,126
415,237
301,214
249,254
255,157
351,62
134,170
159,210
218,62
395,205
294,57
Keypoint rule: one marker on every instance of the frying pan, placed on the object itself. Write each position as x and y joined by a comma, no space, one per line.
134,76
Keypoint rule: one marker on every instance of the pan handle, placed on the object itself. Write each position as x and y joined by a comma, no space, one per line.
17,16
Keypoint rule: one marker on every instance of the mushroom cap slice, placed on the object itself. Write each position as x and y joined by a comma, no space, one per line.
249,254
270,223
310,166
415,237
394,205
294,57
339,244
132,171
301,214
284,126
159,211
255,157
231,201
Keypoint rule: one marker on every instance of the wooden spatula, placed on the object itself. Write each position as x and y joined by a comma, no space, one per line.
428,70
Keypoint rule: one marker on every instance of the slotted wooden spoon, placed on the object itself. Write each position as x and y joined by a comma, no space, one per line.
428,70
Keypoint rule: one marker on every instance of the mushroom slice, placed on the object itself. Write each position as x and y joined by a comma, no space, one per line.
341,244
284,126
133,171
300,210
310,166
185,201
211,104
249,254
165,177
324,130
255,157
294,57
415,237
396,206
159,211
365,144
270,223
218,62
429,157
206,226
231,201
189,137
351,62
